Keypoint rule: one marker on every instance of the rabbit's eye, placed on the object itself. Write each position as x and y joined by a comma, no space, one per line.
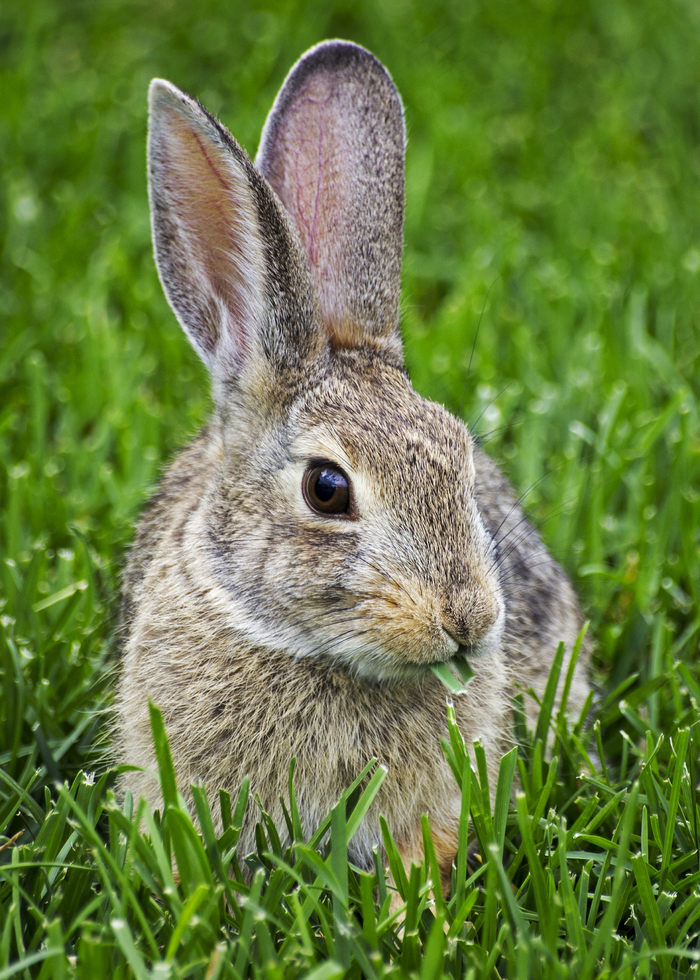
326,489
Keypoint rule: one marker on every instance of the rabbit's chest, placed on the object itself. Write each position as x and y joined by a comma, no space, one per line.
334,725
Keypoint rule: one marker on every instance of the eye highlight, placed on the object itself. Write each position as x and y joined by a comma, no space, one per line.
326,489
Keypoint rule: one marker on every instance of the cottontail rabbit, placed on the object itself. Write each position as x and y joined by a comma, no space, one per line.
330,534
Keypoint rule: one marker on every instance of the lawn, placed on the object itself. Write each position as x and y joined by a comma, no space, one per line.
553,240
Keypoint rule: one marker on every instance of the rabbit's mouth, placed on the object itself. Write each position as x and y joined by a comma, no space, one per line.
456,672
474,651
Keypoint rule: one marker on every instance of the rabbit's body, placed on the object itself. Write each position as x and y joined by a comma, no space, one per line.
261,623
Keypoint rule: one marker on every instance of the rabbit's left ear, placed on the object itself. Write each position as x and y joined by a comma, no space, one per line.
227,254
333,150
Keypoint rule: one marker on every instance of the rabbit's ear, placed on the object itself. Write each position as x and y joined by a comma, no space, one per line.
333,150
230,263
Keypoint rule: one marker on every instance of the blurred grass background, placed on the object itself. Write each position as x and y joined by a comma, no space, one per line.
553,196
553,190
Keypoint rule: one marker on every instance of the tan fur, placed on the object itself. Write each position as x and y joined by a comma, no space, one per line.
261,628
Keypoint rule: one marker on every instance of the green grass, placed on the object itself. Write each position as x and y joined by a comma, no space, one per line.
553,194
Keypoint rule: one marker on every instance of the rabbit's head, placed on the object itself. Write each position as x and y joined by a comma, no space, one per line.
342,523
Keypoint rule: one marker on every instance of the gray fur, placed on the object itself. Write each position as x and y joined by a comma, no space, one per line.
262,629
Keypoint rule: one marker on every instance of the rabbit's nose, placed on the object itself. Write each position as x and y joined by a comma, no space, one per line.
469,614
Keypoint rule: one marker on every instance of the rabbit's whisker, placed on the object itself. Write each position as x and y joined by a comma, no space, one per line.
476,337
483,438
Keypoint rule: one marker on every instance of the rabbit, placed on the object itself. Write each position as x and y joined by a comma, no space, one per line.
330,534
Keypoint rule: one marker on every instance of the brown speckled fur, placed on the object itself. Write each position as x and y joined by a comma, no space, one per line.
261,628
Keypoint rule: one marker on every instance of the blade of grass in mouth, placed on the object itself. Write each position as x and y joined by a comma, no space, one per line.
454,674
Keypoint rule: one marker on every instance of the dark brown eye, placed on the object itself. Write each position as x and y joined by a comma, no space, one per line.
326,489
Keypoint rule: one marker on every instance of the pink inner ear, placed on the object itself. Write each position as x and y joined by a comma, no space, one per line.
310,171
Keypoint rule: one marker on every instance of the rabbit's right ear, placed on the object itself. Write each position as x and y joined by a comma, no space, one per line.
231,266
333,150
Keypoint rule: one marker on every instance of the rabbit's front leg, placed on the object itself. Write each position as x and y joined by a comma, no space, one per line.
444,834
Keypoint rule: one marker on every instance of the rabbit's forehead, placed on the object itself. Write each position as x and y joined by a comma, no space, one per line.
380,422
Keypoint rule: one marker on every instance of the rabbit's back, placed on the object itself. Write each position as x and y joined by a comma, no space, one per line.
542,609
